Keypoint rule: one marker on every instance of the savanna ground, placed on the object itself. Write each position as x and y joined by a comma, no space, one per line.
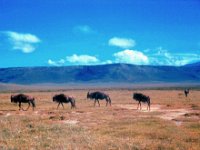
172,123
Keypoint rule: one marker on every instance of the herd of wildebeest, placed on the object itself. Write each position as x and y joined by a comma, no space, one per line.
96,96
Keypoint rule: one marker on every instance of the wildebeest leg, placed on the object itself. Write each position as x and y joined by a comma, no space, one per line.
27,107
19,105
62,105
58,105
98,102
149,106
106,103
140,106
94,102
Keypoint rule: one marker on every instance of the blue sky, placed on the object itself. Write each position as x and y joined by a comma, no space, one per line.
90,32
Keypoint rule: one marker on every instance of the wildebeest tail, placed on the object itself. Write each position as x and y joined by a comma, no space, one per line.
33,102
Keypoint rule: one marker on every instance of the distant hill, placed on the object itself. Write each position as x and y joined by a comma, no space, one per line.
197,64
115,73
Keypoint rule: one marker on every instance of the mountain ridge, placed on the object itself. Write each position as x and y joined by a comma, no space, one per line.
122,73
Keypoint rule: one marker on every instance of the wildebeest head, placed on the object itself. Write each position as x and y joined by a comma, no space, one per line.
13,99
88,95
72,101
186,91
54,98
108,99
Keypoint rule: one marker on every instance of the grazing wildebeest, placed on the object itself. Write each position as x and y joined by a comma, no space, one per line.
22,98
186,91
99,96
142,98
62,98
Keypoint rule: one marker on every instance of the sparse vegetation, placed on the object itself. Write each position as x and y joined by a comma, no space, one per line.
118,127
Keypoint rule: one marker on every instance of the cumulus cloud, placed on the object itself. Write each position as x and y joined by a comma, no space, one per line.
82,59
131,57
122,42
83,29
75,60
23,37
61,62
24,42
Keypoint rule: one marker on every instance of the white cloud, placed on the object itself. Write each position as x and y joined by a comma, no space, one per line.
83,29
164,57
24,42
82,59
24,47
56,63
23,37
75,60
122,42
131,57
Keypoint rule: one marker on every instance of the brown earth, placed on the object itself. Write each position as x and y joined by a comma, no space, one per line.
172,123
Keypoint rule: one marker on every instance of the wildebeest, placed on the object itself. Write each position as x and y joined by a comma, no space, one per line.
62,98
186,92
99,96
22,98
142,98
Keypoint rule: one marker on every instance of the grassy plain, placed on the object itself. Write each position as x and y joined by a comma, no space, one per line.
172,123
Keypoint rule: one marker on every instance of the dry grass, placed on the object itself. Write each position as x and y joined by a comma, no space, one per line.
37,133
173,122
